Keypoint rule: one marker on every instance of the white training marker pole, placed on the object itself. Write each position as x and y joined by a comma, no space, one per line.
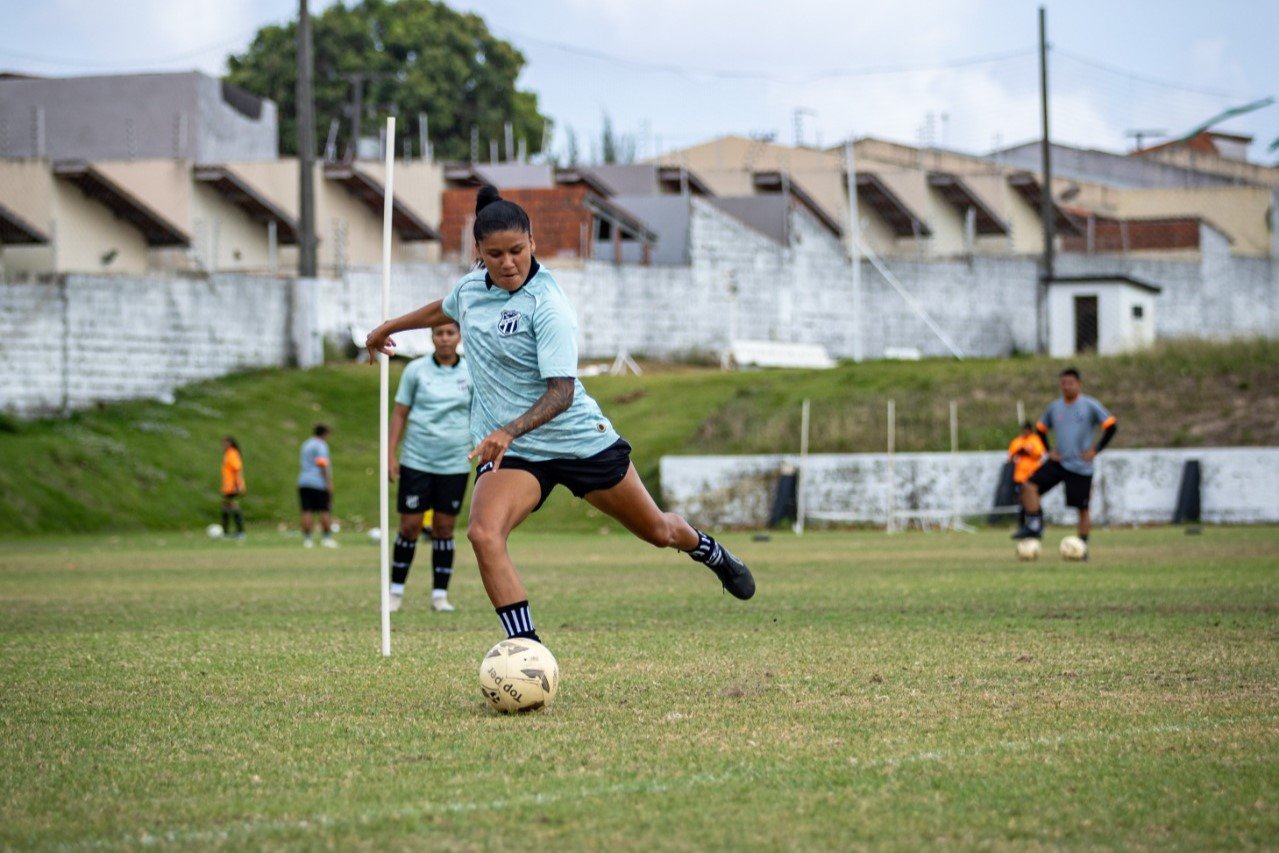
954,464
384,395
890,502
802,473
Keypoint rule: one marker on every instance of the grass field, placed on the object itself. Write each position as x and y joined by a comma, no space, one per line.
879,691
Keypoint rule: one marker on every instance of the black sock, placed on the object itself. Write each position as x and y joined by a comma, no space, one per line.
1084,537
1035,521
442,562
402,559
517,621
707,551
1021,517
226,521
239,521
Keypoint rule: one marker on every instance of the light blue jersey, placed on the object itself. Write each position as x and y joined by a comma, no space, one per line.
1073,425
311,475
437,435
514,343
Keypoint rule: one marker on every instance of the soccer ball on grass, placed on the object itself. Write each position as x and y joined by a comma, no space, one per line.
519,675
1073,548
1028,549
214,531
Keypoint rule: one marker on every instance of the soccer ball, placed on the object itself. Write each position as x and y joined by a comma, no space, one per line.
1028,549
335,528
375,534
519,675
214,531
1073,548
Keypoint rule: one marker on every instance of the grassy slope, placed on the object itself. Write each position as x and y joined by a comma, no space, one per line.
885,692
147,465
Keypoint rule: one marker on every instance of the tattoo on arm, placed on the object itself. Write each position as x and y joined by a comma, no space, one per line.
558,397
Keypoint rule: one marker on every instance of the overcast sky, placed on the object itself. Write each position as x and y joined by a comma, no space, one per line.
676,72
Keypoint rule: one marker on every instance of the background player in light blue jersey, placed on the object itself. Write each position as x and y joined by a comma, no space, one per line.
532,421
315,487
1073,419
430,437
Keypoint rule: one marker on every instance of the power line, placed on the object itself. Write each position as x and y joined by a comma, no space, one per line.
721,74
221,44
1166,84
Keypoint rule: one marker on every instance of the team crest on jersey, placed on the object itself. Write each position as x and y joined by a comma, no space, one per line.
509,323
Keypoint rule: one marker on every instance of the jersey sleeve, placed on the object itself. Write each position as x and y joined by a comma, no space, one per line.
452,303
555,326
1101,416
1046,419
408,386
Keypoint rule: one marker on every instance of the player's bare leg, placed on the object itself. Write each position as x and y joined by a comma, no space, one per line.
631,504
503,498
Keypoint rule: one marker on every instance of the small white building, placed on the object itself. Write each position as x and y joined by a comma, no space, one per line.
1105,314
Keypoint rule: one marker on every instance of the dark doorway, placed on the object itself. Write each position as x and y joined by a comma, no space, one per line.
1085,324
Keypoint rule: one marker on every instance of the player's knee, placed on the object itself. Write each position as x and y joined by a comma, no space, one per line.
484,537
410,529
441,529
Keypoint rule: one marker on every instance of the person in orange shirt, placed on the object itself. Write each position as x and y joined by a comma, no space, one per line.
1026,452
232,486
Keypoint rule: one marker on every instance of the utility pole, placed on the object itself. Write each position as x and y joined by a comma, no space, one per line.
306,147
1046,207
357,79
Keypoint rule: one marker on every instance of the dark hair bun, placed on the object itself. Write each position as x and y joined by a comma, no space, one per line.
487,195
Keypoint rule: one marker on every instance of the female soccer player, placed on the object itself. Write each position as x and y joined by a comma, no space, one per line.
232,486
533,423
432,416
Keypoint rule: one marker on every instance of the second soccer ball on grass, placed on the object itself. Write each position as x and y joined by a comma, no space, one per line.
1073,548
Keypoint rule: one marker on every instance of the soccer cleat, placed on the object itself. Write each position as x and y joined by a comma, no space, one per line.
396,601
441,605
329,542
1025,532
734,576
308,543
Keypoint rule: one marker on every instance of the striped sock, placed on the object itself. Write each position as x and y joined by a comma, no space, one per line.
402,558
707,550
442,562
517,621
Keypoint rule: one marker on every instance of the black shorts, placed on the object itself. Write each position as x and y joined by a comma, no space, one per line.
604,470
314,500
422,490
1078,486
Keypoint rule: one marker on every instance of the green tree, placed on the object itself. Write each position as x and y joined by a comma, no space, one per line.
420,57
615,147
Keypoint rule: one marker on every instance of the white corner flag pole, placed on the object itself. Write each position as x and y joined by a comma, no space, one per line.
384,395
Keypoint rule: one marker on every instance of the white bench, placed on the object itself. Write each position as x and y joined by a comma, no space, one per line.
746,353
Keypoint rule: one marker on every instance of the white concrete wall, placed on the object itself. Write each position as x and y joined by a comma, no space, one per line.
1239,485
84,340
